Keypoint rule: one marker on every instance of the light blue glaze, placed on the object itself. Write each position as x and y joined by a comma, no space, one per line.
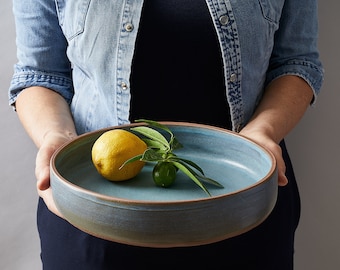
137,212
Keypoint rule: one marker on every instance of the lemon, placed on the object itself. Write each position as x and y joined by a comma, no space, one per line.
112,149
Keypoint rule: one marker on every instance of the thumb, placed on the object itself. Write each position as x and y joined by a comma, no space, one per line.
42,168
281,168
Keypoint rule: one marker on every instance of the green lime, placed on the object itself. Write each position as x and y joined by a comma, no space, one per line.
164,174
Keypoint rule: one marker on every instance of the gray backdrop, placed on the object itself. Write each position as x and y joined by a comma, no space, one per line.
314,147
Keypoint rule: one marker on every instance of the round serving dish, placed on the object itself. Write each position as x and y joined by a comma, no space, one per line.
136,212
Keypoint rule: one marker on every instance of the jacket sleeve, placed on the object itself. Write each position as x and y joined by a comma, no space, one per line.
295,50
41,50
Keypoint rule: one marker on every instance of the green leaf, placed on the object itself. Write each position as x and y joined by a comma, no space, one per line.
155,144
152,155
130,160
175,144
209,180
200,176
188,171
156,125
152,134
192,164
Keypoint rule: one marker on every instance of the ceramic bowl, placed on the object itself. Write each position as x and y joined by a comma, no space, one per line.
136,212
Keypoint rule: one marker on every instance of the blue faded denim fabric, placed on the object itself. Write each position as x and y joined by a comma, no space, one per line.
83,49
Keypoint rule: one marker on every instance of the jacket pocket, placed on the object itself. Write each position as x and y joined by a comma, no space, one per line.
271,9
72,16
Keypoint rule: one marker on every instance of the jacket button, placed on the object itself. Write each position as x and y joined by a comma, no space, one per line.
224,19
124,85
128,27
233,77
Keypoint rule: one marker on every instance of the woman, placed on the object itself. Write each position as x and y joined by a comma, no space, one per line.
251,66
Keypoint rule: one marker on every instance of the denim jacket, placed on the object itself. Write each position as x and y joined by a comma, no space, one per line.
83,49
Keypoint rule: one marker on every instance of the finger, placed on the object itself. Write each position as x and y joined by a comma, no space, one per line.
281,168
42,169
280,163
47,196
282,179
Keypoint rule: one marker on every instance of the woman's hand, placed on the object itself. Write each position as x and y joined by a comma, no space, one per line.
283,104
52,141
47,119
274,148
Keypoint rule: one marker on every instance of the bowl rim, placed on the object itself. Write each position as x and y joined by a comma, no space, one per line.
111,199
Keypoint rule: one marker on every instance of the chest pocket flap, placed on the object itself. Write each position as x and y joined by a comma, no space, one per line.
271,9
72,16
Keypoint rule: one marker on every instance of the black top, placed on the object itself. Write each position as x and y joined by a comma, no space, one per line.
177,69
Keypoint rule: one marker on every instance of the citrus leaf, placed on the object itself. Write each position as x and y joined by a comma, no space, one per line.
175,144
154,144
191,163
152,155
189,173
130,160
209,180
152,134
156,124
200,176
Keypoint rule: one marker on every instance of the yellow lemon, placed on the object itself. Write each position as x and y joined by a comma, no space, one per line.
112,149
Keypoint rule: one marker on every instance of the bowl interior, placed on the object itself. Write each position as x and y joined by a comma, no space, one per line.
235,162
